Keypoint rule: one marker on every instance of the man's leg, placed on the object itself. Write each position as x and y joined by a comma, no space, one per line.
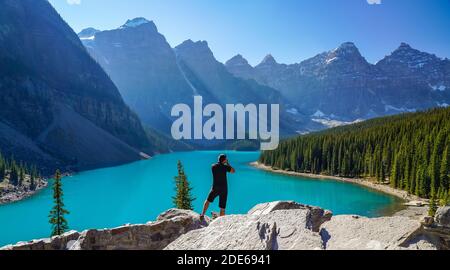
223,202
211,197
205,208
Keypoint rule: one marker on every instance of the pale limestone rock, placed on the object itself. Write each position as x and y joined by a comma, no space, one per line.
276,230
442,216
317,216
361,233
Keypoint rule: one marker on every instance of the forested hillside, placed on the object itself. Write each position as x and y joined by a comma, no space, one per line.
411,151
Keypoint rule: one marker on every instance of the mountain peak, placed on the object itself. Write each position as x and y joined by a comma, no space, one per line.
237,60
406,48
409,58
269,60
346,48
190,44
88,33
404,45
197,49
406,51
136,22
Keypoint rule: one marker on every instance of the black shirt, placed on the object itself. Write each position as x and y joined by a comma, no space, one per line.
219,172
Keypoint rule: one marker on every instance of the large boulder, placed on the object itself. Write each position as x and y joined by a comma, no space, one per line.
361,233
442,217
317,216
276,230
151,236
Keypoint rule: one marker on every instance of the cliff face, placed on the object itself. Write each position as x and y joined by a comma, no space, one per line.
59,108
268,226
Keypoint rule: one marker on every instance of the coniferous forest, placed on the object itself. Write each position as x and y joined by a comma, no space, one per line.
410,152
18,174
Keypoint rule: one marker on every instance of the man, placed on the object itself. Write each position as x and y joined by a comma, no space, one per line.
220,185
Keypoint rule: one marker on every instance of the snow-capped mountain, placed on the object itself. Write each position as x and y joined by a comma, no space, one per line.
144,67
136,22
342,85
152,77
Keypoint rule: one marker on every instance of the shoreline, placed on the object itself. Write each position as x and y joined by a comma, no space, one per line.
20,194
415,207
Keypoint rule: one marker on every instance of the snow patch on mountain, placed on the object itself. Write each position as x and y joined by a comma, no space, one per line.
329,61
292,111
87,38
335,123
441,87
390,108
318,114
88,33
135,22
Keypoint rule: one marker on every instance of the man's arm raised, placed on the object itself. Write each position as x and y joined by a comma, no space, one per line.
231,169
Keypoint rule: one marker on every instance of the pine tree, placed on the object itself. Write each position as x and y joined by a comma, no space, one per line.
433,206
2,169
21,175
56,217
395,174
33,180
445,170
183,198
14,174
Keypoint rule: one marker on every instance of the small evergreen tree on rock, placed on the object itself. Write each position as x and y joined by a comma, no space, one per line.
183,198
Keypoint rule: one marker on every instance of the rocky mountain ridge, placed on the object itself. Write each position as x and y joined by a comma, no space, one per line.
342,85
153,77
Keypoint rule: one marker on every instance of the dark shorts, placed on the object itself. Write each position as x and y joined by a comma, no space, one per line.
222,194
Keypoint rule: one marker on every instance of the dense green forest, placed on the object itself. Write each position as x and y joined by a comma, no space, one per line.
410,151
18,174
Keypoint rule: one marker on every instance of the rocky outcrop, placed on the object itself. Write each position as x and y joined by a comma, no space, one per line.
316,216
438,228
268,226
151,236
360,233
443,217
261,230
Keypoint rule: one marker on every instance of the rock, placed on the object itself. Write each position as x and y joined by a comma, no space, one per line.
421,242
317,215
271,230
361,233
62,242
175,214
152,236
442,216
415,203
427,221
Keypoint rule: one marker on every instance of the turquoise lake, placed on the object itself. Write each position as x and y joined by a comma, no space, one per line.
139,192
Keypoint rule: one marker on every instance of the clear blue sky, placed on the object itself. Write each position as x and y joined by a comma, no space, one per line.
291,30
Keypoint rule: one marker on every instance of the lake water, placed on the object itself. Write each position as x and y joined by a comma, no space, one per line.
139,192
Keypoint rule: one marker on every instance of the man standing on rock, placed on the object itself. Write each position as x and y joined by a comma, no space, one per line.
220,185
